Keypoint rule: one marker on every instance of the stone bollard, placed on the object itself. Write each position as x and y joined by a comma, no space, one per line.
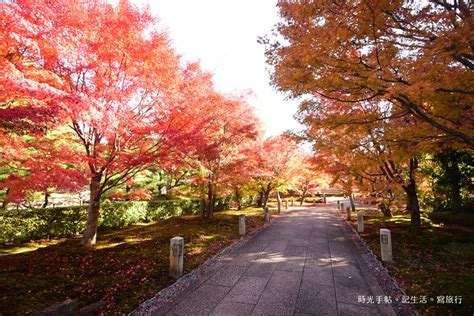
292,202
286,204
360,222
342,206
176,256
348,212
339,205
324,198
266,214
386,245
242,225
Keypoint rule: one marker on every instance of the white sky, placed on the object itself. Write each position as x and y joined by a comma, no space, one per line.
222,34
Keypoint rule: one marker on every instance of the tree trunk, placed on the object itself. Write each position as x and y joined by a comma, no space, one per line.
351,200
412,196
90,234
279,202
415,219
127,191
303,196
385,210
46,200
203,208
414,206
260,199
238,197
266,194
212,205
209,203
5,201
456,201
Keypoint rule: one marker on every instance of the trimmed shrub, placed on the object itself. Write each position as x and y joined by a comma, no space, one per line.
120,214
163,209
18,226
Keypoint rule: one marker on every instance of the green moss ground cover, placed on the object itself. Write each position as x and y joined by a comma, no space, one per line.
128,265
437,262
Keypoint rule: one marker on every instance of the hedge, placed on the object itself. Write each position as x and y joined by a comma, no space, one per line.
18,226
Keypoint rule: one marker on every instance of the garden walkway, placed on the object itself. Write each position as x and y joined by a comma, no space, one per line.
305,263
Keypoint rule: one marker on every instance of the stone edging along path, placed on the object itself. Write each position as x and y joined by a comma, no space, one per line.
386,282
188,282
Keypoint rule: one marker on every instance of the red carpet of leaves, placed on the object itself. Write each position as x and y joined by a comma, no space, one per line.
128,265
437,262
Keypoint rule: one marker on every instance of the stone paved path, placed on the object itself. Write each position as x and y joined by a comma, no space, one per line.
302,264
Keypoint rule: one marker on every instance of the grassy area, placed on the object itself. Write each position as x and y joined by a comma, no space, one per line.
128,265
437,262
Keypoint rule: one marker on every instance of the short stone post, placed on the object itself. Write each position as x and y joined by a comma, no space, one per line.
278,202
342,206
360,222
339,205
266,214
324,198
286,204
348,212
176,256
386,245
292,202
242,225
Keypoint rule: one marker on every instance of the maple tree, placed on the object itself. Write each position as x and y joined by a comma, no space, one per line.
230,125
238,173
307,180
30,108
402,59
42,164
121,84
277,159
353,153
383,83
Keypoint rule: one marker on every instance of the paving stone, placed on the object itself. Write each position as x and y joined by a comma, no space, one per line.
263,267
200,302
280,294
348,289
299,241
318,274
351,310
228,275
293,259
243,259
316,299
317,250
347,269
247,290
276,246
226,308
274,308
